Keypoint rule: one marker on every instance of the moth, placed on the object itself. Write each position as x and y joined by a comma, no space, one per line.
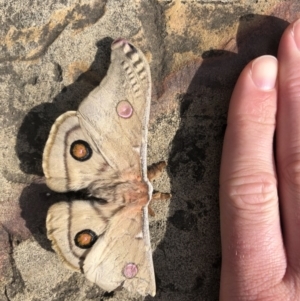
102,147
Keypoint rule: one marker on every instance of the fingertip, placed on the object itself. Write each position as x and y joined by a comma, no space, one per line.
264,72
254,95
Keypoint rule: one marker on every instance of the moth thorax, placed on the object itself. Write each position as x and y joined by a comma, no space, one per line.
137,193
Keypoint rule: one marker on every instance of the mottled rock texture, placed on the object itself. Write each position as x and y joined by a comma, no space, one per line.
53,53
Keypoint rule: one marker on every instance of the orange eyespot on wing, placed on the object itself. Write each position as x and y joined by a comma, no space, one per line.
85,239
80,150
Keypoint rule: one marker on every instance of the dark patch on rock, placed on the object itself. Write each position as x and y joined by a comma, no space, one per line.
67,288
183,43
57,73
33,80
183,220
94,293
220,18
213,53
6,270
188,154
90,14
185,103
199,282
107,296
16,284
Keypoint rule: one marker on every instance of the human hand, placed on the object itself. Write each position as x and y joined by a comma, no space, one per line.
260,179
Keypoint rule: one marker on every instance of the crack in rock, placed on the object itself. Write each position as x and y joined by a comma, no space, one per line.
17,284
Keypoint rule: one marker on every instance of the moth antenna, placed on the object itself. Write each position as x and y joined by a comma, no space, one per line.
162,196
151,211
155,170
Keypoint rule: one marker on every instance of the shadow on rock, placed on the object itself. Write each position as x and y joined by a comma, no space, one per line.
188,260
33,134
35,201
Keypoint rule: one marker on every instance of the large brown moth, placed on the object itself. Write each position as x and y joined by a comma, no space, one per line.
102,147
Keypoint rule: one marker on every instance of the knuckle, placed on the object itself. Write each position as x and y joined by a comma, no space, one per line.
261,110
251,192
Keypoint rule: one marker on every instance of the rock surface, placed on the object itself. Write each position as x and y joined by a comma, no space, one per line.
53,53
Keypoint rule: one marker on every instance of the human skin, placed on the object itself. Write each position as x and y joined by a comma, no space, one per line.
260,179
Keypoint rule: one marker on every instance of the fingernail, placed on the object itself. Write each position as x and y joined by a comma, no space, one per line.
296,33
264,72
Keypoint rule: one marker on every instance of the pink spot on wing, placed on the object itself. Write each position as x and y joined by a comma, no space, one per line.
130,270
124,109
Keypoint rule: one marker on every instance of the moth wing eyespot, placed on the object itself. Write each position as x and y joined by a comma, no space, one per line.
85,239
80,150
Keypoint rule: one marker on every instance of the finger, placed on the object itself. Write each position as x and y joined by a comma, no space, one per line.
288,140
250,225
